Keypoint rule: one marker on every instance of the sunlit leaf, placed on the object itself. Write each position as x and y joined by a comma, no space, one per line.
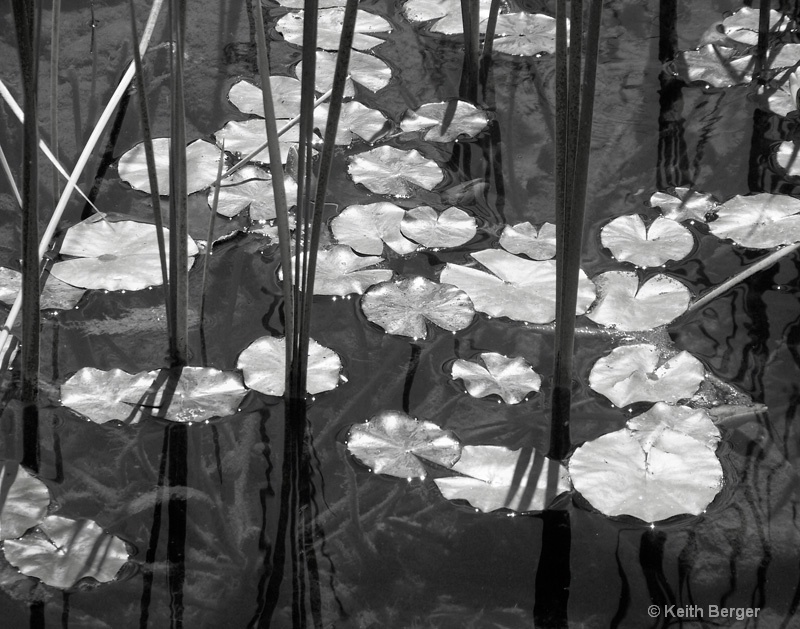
525,34
693,422
366,227
496,478
263,363
721,66
106,395
788,157
446,121
405,306
329,28
200,393
782,92
393,443
341,272
25,501
742,26
451,228
684,204
392,171
364,69
520,289
631,241
623,304
251,187
249,99
759,221
447,14
113,256
243,137
202,160
524,238
651,477
355,120
61,552
510,378
641,373
56,294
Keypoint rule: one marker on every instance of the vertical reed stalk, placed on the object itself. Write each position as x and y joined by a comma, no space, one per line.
54,42
209,245
470,20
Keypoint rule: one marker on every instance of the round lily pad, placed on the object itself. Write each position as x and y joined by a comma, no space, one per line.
446,121
366,228
25,501
365,69
759,221
329,28
341,272
510,378
525,239
249,99
392,171
630,240
451,228
683,204
525,34
447,14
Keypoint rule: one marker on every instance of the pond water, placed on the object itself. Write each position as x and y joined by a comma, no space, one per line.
205,508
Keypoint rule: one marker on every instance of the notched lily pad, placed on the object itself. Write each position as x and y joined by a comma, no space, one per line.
366,228
202,159
742,26
630,240
251,187
451,228
495,477
759,221
787,155
693,422
681,204
242,138
113,256
524,238
405,306
341,272
61,552
446,121
55,295
525,34
364,69
641,373
723,66
25,501
329,28
355,120
249,99
447,14
625,305
510,378
395,444
263,363
392,171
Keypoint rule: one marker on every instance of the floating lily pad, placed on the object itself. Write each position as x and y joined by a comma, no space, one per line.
25,501
451,228
61,552
249,99
366,227
759,221
640,373
355,120
525,34
646,476
446,121
742,26
405,306
393,443
329,28
520,289
113,256
341,272
625,305
199,393
788,157
693,422
493,481
299,4
447,14
782,98
202,160
510,378
56,294
524,238
251,187
684,204
243,137
263,363
722,66
366,70
631,241
392,171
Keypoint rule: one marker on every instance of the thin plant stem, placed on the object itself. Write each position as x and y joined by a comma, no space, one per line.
54,42
10,176
471,67
209,240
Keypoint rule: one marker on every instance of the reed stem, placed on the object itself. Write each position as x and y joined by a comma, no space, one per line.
54,42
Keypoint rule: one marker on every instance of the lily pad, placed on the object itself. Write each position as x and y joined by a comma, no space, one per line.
200,393
788,157
355,120
640,373
684,204
61,552
341,272
627,473
251,187
693,422
249,98
451,228
510,378
742,26
113,256
524,238
366,227
392,171
55,295
446,121
364,69
625,305
447,14
263,363
491,480
329,28
525,34
25,501
299,4
202,159
393,443
520,289
243,137
629,240
405,306
759,221
721,66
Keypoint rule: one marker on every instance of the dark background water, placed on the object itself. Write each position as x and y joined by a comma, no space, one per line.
383,552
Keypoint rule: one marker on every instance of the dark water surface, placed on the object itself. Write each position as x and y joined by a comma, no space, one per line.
204,506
